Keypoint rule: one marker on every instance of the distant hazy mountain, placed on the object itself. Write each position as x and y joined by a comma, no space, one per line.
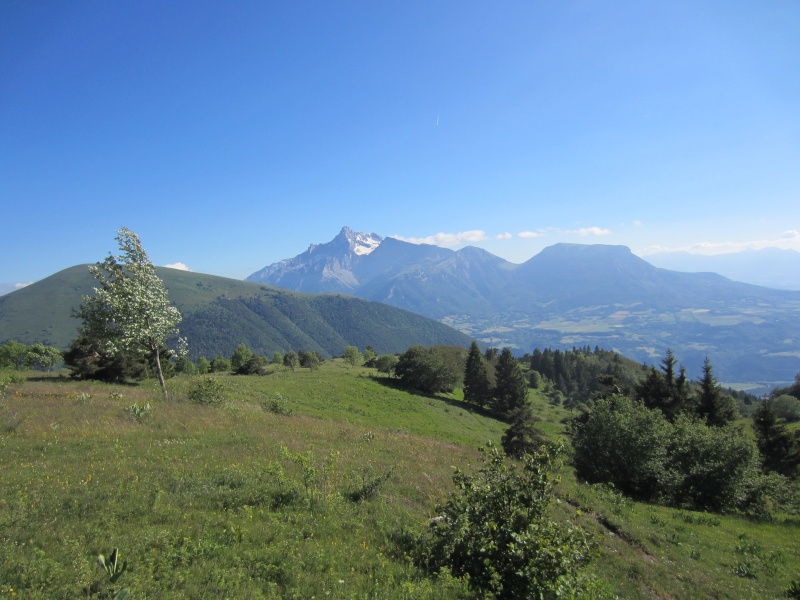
770,267
220,313
574,295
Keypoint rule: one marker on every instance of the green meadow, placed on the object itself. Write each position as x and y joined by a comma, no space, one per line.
306,484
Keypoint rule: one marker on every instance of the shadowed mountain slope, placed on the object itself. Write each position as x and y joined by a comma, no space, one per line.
220,313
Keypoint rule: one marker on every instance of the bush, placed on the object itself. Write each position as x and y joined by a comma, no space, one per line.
208,390
687,463
714,467
385,363
495,530
431,370
623,442
255,365
787,407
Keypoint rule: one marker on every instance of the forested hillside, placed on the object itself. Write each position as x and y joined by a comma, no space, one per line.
220,313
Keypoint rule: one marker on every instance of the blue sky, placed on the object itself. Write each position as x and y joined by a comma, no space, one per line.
232,135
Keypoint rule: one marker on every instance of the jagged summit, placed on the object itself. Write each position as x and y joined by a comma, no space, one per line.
348,240
323,267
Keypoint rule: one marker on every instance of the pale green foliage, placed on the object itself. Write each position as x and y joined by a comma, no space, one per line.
352,356
43,357
495,529
130,310
385,363
786,407
291,360
240,357
13,354
369,355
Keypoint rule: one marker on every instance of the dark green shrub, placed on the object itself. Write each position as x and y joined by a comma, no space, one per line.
714,467
208,390
620,441
495,529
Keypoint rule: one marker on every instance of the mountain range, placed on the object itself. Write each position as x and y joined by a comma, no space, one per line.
567,295
219,313
770,267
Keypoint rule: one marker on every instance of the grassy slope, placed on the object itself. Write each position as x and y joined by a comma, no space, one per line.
203,502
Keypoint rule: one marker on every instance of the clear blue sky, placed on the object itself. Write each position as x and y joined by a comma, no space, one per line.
232,135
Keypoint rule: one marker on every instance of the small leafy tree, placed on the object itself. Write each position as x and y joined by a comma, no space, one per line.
309,360
495,529
369,357
352,356
130,310
240,356
431,370
13,354
385,363
291,360
787,407
712,468
203,366
220,365
185,366
43,357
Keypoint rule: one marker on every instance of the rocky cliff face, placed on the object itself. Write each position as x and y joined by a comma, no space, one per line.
323,267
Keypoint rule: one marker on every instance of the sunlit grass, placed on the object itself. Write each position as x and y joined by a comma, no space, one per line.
214,501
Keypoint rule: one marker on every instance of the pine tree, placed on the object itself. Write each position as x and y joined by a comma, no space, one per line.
511,389
477,389
522,437
780,451
715,407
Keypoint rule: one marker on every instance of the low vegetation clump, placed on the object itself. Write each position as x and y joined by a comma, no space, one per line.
208,390
495,530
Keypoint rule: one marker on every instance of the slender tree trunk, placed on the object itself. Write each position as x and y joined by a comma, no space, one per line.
160,373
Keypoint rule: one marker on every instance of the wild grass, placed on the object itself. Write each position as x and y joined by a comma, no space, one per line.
307,500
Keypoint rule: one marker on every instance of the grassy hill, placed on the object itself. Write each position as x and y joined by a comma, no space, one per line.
220,313
257,497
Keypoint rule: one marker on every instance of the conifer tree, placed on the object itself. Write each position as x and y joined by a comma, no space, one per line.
477,389
779,449
714,406
511,388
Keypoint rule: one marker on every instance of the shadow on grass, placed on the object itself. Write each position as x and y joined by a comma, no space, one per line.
396,384
63,378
